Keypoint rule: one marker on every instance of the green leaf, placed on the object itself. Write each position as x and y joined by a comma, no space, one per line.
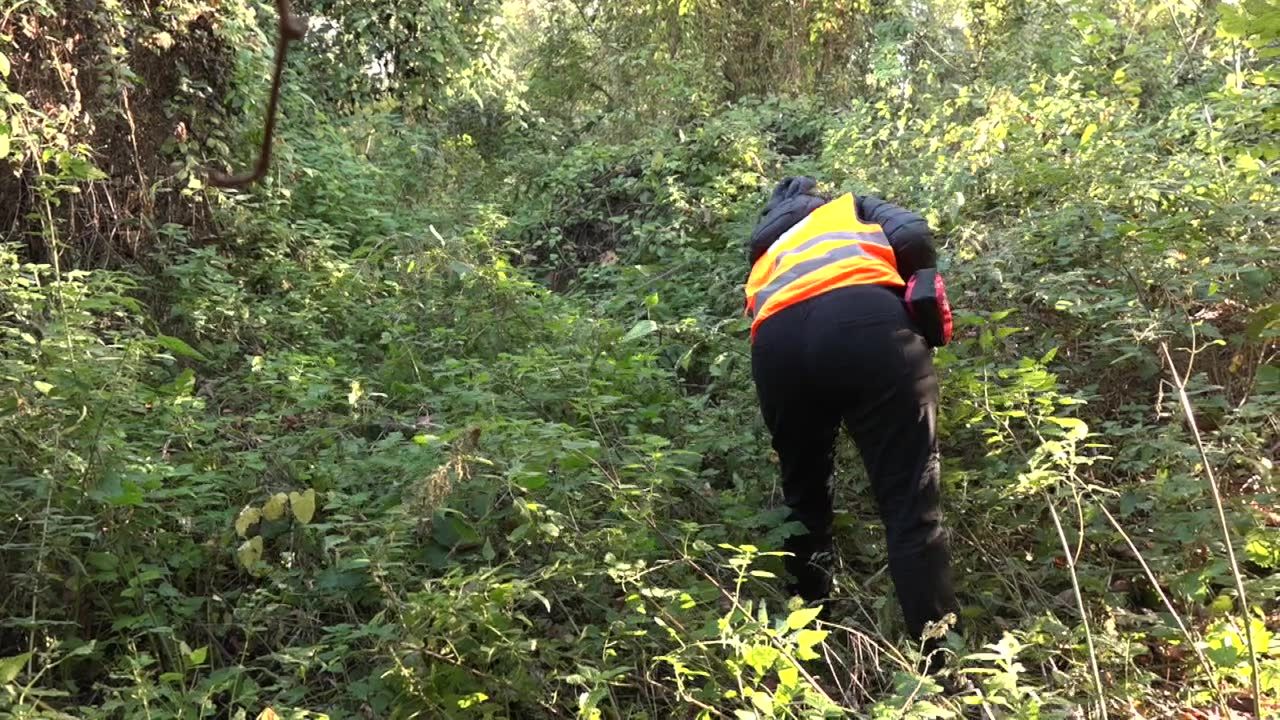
802,617
198,656
179,347
760,657
639,330
11,666
451,530
44,387
5,68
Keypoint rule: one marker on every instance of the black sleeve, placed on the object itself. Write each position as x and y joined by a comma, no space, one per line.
780,218
908,234
792,200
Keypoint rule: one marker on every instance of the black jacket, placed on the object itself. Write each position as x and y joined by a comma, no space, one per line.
794,198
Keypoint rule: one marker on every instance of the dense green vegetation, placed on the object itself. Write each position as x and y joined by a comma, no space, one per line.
451,415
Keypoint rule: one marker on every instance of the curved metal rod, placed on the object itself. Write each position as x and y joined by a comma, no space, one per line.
291,28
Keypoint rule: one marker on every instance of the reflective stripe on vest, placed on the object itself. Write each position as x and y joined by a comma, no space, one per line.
830,248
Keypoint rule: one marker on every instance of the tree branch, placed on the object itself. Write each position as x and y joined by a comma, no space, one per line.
291,28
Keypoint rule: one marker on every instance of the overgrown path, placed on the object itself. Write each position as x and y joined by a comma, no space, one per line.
451,415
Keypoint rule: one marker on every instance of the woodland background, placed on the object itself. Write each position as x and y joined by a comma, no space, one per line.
451,415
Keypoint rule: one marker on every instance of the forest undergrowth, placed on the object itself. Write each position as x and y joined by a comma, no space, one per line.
452,416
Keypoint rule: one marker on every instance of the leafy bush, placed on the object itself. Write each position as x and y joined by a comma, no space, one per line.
433,424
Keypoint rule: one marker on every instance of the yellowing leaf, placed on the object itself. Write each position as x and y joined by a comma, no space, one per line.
268,714
303,505
802,617
247,518
44,387
1247,163
788,677
1088,134
250,552
805,640
274,508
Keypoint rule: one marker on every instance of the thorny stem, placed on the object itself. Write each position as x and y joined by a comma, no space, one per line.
291,28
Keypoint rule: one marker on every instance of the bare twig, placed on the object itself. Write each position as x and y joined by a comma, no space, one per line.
1181,385
291,28
1164,598
1084,615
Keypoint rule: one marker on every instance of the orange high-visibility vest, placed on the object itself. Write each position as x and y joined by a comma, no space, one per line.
830,248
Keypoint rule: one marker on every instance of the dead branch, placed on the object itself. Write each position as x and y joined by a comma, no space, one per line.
291,28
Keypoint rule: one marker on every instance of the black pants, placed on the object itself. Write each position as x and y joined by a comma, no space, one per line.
853,356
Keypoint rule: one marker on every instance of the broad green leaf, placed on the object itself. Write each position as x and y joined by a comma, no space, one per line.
273,509
452,530
802,617
185,384
248,517
1222,605
639,330
250,552
198,656
11,666
764,701
179,347
1264,549
532,481
760,658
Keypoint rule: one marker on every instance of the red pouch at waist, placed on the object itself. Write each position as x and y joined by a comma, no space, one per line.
926,298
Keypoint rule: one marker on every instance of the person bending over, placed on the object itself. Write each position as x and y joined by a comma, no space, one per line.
845,304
